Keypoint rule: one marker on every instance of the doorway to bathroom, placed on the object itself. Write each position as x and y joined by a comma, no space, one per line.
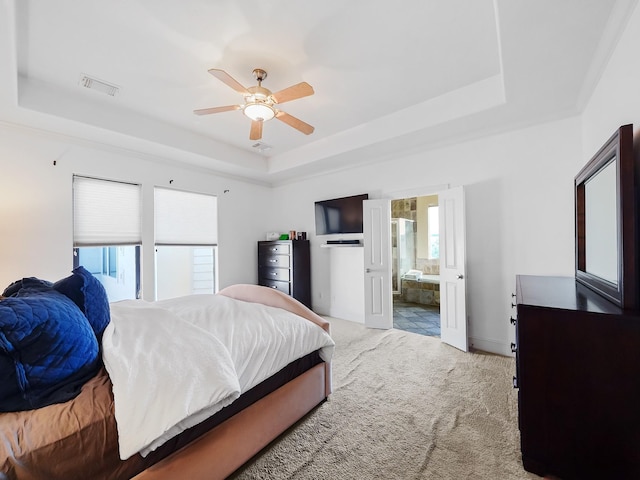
415,260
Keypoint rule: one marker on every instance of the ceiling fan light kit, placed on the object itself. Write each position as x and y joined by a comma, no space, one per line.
259,102
259,111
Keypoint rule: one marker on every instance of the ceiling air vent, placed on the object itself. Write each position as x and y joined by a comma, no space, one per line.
261,146
98,85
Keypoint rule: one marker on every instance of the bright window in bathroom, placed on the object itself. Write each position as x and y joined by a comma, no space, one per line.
433,226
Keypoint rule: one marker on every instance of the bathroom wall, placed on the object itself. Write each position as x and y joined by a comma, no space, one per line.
405,208
429,266
415,209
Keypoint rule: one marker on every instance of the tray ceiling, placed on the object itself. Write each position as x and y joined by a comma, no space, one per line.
388,76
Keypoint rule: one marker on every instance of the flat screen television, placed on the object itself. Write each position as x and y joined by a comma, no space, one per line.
340,215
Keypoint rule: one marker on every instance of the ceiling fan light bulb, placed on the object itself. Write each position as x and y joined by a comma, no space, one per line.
259,111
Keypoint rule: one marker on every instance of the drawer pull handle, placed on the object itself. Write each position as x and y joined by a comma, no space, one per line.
512,320
273,261
274,273
513,347
273,286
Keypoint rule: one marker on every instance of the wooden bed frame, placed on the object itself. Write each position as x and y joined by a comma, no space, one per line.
222,450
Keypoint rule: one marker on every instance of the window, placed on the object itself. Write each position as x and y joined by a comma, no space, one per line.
186,237
433,226
107,233
110,262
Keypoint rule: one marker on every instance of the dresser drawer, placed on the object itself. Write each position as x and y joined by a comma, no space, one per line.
284,287
270,273
273,249
270,260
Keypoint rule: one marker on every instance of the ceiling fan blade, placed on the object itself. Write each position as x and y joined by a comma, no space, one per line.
295,122
293,92
207,111
256,130
229,80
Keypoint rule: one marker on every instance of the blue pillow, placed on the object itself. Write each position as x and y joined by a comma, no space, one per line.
13,289
89,295
47,349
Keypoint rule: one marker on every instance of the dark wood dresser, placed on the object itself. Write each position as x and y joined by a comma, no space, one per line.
578,374
286,266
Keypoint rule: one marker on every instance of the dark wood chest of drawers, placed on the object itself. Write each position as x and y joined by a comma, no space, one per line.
578,374
286,265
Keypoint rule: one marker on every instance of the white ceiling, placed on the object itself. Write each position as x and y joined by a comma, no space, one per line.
388,76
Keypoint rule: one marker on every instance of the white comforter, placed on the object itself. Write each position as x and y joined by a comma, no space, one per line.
176,362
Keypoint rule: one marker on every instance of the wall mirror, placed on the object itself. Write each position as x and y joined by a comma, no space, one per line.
606,221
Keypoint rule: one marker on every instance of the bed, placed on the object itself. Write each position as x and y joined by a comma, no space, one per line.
82,438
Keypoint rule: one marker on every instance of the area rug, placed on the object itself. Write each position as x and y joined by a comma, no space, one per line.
404,406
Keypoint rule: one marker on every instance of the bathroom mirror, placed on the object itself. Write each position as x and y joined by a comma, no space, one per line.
606,223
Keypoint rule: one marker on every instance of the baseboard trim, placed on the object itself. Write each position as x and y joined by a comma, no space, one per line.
489,345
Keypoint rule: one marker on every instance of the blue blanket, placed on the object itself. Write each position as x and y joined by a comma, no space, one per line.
48,349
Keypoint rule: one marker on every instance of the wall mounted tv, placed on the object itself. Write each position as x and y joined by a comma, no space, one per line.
340,215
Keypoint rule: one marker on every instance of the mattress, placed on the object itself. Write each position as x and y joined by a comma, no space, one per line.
78,439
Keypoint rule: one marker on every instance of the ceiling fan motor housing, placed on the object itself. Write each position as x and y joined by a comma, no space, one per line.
259,93
259,104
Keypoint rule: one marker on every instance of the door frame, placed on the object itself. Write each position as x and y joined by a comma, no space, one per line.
416,192
444,311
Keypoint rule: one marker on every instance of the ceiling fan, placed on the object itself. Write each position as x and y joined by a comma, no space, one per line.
260,104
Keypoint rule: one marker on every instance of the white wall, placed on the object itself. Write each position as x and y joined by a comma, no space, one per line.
616,98
36,205
345,286
519,202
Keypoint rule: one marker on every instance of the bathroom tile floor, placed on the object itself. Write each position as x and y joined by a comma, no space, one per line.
416,318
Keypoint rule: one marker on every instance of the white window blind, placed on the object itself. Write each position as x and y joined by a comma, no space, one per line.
185,218
106,212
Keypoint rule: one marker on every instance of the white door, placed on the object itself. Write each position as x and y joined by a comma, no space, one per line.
453,308
378,309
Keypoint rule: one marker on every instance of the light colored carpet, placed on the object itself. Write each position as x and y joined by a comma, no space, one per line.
404,406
